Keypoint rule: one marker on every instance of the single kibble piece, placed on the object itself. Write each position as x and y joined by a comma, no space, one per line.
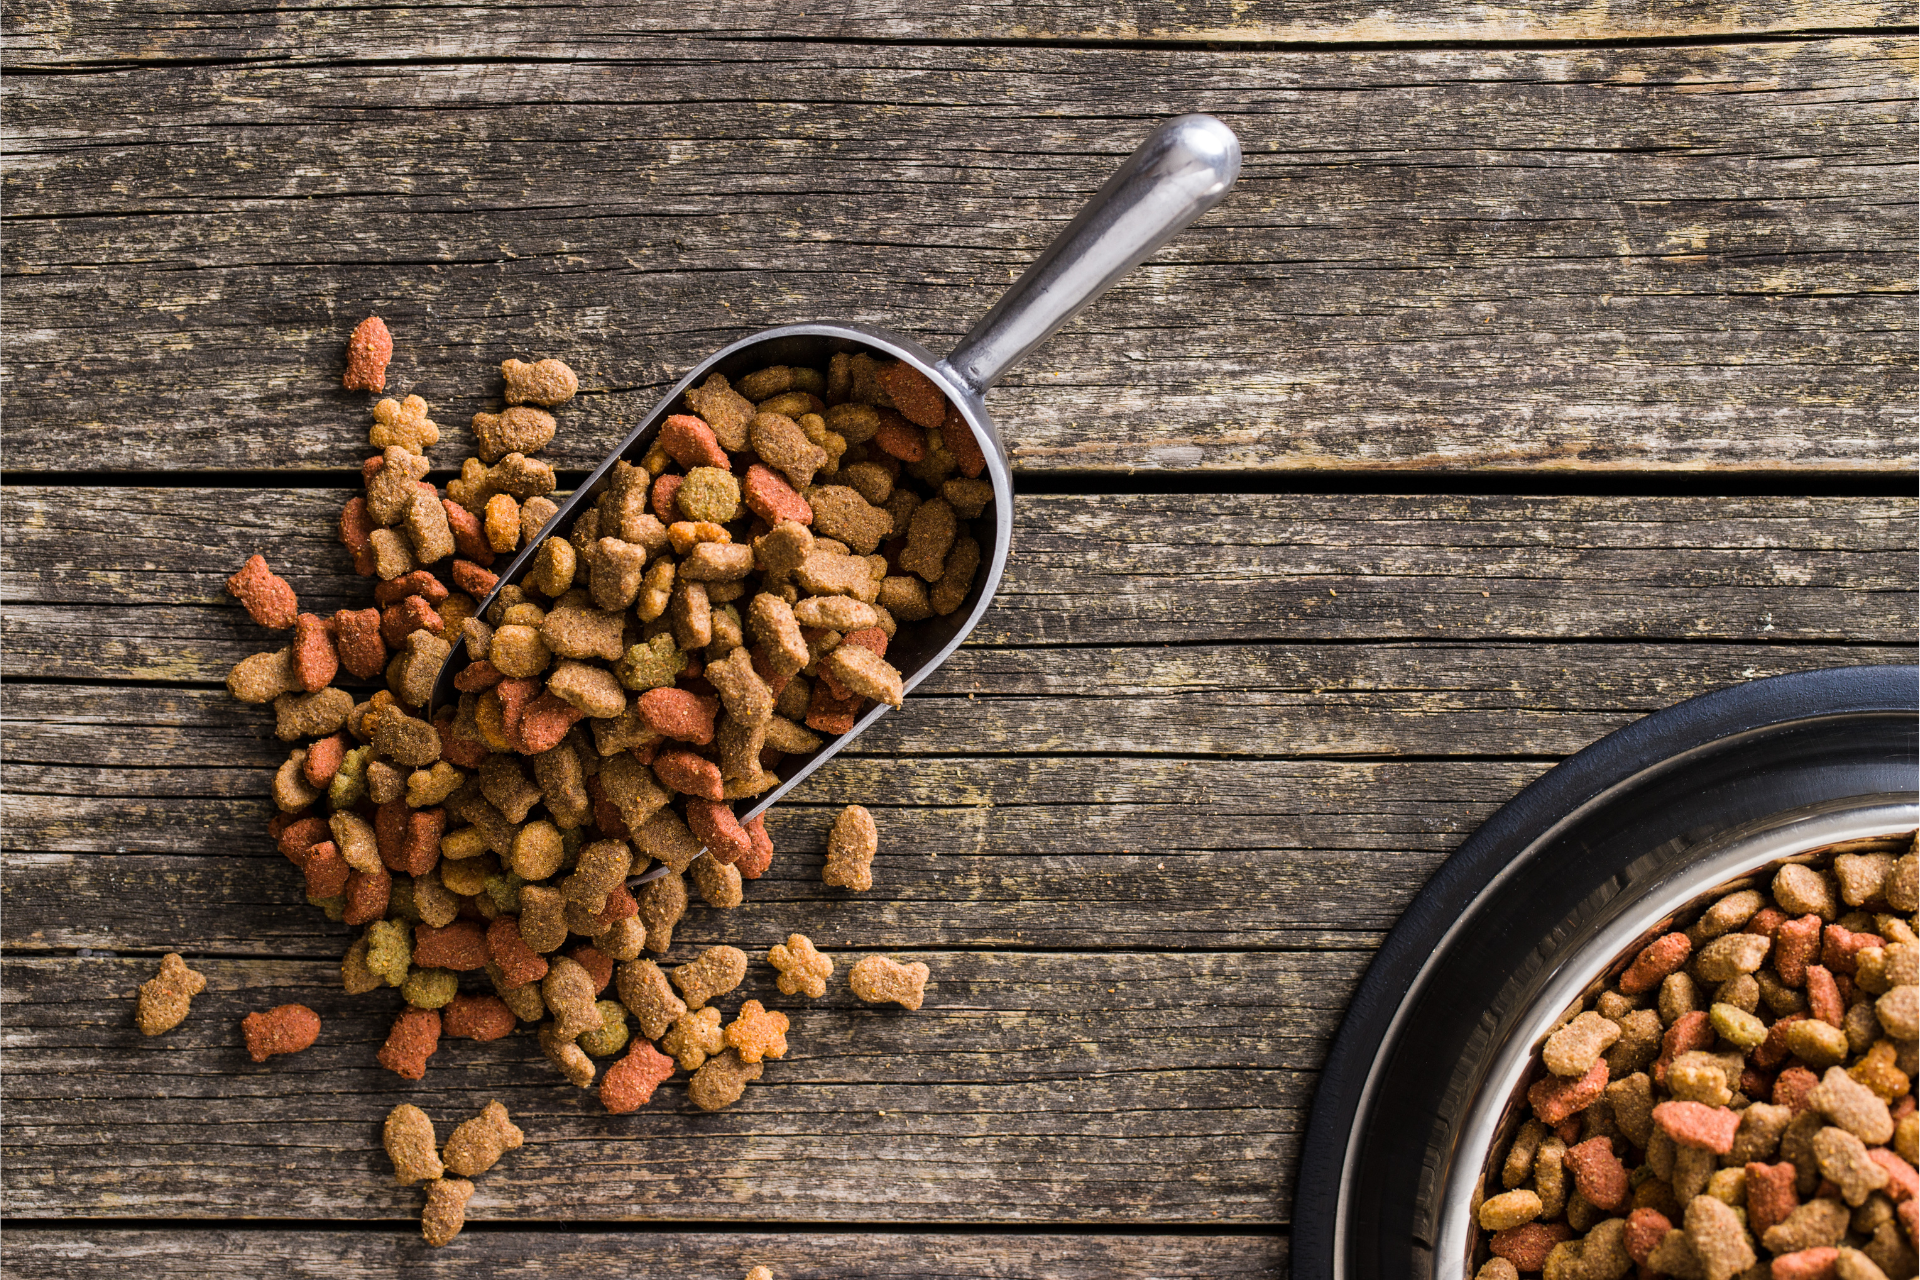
266,595
695,1036
757,1033
477,1145
289,1028
369,348
446,1210
722,1081
803,970
166,998
544,382
629,1083
408,1135
878,980
716,971
850,849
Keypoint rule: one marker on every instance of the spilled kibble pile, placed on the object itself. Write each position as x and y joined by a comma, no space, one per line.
1739,1102
726,602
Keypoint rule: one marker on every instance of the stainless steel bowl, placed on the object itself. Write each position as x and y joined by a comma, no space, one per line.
1532,910
1743,858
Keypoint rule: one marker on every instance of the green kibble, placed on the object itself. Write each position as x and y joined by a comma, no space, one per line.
708,493
430,988
1736,1026
611,1037
389,951
334,907
503,891
349,785
654,664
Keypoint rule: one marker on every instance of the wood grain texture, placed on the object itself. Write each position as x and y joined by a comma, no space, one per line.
1592,259
45,33
1027,1090
82,1253
129,583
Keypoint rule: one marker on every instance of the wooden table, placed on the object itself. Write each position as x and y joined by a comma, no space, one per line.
1550,364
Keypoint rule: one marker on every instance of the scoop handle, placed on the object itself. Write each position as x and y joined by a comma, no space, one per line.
1177,174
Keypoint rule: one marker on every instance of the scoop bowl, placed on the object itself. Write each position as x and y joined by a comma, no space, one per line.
1183,169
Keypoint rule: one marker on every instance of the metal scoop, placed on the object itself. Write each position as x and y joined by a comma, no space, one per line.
1176,175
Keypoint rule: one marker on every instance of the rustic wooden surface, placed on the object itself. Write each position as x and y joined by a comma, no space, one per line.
1572,347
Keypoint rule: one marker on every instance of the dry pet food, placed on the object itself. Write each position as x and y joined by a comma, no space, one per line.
368,350
878,980
166,998
446,1211
288,1028
803,970
408,1137
724,606
478,1144
1731,1104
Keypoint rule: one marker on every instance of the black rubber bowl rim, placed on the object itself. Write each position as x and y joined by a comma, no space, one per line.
1525,819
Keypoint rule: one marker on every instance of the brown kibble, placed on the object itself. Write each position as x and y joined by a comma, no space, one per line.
644,989
878,980
930,536
369,348
569,992
716,971
850,850
722,1080
477,1145
166,998
756,1033
288,1028
446,1211
544,382
267,597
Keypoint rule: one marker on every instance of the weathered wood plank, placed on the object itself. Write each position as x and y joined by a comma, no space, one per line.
1593,259
85,1253
44,34
1031,1088
1300,700
1014,851
129,583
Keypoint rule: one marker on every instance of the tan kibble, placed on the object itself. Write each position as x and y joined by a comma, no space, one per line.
878,980
503,522
477,1145
662,903
1509,1209
404,423
712,974
803,970
265,676
1730,956
446,1211
850,850
408,1136
694,1037
720,885
1574,1048
166,998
